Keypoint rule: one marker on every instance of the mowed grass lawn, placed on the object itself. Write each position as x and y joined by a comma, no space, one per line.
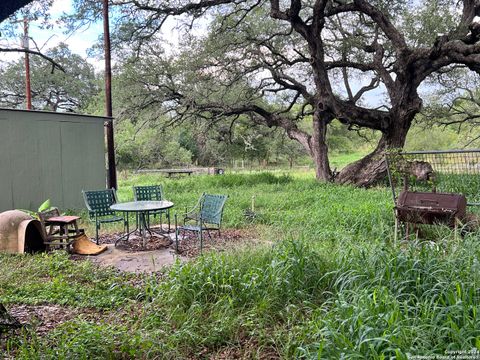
328,283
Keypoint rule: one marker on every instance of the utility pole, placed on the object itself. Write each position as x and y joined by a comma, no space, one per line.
25,43
112,172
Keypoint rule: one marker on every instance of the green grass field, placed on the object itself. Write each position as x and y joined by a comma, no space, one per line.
328,283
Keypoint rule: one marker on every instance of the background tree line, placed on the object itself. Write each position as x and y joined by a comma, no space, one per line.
274,82
144,143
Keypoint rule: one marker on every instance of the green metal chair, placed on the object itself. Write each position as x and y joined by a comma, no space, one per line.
98,203
206,215
152,193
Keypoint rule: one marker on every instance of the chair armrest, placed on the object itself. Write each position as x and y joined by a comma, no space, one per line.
197,205
187,212
190,216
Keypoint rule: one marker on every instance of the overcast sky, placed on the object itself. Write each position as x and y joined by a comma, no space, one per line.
48,38
79,42
84,38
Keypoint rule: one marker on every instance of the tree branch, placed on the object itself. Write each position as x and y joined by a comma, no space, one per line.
384,23
46,57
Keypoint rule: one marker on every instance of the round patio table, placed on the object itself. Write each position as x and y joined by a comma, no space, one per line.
142,209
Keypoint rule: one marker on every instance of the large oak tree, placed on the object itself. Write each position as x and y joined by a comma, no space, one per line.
282,61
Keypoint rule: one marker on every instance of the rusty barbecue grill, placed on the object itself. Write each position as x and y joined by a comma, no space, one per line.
433,187
430,208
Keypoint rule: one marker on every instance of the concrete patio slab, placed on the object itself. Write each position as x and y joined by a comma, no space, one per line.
137,262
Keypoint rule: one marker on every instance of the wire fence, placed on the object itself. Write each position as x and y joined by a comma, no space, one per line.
454,171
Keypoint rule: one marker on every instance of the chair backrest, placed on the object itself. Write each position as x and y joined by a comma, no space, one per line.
149,192
47,214
211,208
98,201
43,216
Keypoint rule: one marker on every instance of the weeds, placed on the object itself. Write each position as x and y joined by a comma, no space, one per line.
53,278
330,285
394,303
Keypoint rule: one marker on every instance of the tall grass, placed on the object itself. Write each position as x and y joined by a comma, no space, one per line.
330,286
291,205
394,303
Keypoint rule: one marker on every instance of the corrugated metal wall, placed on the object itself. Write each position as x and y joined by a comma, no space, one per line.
47,155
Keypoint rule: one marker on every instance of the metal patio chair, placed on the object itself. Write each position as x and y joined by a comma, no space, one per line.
152,193
98,203
206,215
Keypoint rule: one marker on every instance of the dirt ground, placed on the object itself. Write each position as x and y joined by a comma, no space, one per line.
131,256
44,318
160,251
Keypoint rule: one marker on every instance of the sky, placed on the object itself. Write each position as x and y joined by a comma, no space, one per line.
84,38
49,38
79,42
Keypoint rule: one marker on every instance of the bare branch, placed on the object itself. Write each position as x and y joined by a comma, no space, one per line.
46,57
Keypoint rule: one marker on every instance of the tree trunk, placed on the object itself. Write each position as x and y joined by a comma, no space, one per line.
319,149
315,145
372,168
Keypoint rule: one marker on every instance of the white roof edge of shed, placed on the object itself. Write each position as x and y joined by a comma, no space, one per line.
102,118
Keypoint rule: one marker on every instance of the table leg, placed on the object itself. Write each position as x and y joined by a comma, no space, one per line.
147,223
142,226
65,234
70,240
140,223
127,226
126,236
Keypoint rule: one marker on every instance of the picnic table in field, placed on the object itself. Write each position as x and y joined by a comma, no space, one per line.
169,172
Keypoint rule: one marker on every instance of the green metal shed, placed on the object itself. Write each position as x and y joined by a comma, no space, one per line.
47,155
